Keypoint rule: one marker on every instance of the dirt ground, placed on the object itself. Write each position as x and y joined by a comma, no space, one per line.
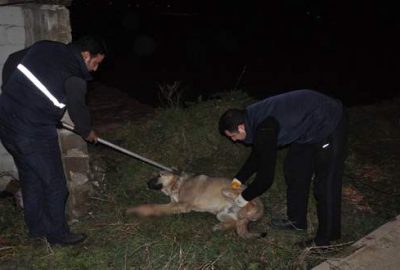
110,107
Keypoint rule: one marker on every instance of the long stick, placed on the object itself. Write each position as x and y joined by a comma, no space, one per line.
125,151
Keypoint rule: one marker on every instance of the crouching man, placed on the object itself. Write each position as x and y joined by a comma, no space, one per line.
313,126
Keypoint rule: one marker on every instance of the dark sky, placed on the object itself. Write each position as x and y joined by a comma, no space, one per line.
349,50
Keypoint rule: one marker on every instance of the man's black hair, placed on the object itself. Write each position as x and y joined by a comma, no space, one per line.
92,44
230,120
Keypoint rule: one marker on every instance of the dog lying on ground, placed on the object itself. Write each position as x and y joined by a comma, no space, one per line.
202,193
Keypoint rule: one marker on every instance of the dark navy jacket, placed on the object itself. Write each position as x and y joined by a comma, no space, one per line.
301,116
23,107
304,116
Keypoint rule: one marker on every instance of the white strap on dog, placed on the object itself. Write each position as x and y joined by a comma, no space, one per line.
40,86
240,201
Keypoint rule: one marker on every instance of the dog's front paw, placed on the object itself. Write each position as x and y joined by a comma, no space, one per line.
141,210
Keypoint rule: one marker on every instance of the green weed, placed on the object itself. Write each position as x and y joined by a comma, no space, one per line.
188,139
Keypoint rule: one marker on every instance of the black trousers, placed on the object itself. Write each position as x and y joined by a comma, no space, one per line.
42,181
324,164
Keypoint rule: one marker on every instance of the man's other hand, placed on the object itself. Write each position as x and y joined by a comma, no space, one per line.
92,137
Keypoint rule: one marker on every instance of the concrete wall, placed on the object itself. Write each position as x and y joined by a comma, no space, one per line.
21,26
12,38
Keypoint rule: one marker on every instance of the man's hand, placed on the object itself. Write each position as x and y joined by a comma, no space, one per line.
92,137
235,184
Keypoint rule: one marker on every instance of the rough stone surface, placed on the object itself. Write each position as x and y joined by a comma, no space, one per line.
77,170
77,164
12,38
6,50
7,163
79,188
47,22
11,15
49,2
378,250
69,140
15,35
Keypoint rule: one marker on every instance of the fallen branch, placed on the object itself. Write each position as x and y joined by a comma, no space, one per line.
327,249
317,252
5,248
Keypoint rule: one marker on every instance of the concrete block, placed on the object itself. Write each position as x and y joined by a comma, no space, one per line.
15,35
377,250
6,50
2,34
7,162
79,190
72,141
1,75
49,22
12,15
76,165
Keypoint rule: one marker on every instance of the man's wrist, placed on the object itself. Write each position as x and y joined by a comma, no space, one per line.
240,201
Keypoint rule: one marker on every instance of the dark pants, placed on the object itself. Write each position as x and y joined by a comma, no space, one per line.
324,163
43,183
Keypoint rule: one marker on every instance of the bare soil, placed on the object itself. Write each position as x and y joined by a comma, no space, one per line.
111,108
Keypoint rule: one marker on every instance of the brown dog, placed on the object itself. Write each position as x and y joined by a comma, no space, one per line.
202,193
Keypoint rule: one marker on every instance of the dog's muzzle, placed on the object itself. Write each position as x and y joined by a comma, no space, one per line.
153,184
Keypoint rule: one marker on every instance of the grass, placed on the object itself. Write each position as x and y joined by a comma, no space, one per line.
188,139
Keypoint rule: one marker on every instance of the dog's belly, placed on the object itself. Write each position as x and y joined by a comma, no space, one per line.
205,194
211,205
225,215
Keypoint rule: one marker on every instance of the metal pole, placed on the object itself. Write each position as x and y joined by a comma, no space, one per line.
125,151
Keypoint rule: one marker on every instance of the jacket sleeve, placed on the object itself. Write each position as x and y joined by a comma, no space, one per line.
262,159
75,89
248,168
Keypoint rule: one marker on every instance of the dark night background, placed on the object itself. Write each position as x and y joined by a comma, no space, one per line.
347,50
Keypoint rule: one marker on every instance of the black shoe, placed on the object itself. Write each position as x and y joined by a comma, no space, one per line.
285,224
68,239
313,243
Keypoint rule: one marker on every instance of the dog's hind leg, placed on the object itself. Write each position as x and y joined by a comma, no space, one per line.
242,229
226,222
225,225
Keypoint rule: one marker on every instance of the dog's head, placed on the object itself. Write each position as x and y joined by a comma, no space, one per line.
165,181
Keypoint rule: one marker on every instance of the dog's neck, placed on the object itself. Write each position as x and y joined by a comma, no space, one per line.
173,191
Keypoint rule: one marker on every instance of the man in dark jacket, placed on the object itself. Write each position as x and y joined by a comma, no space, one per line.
313,125
39,84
